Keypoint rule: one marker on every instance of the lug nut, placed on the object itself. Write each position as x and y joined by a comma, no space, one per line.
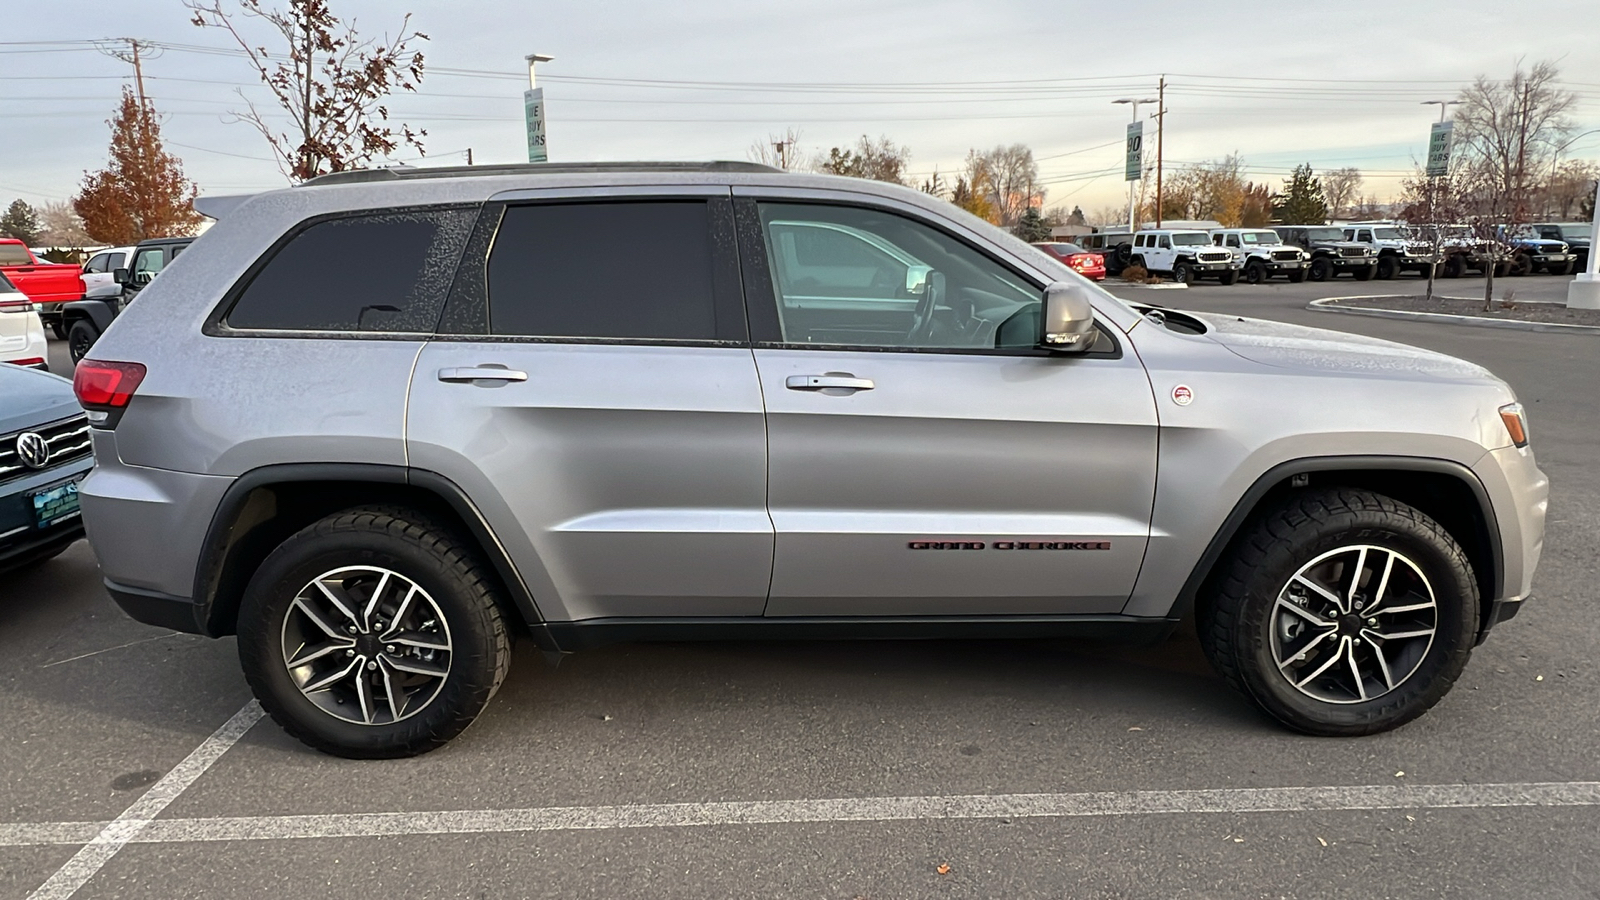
350,652
350,629
1372,621
391,649
372,665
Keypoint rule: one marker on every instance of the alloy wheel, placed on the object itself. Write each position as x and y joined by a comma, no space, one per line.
366,645
1353,624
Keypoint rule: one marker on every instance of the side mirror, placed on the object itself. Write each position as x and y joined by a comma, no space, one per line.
120,276
1066,318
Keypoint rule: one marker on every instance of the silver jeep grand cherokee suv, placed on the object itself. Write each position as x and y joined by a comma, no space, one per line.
378,424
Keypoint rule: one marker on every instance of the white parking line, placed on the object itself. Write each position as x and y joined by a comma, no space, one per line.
866,809
114,835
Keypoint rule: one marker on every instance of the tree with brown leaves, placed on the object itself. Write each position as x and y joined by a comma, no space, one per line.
331,82
142,192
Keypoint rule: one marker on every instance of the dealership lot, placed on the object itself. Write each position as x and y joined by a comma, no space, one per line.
100,708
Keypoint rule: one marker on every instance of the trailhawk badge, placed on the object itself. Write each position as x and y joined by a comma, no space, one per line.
1183,395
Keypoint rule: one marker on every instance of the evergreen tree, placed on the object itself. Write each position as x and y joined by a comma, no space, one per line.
1032,226
21,222
1301,202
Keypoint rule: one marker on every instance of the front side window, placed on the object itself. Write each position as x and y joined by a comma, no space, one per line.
378,272
147,263
97,264
853,276
637,270
1190,240
1364,236
1164,242
117,261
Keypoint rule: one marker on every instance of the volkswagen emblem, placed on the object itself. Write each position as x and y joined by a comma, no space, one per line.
33,450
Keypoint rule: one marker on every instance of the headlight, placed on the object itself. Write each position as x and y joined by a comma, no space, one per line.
1516,421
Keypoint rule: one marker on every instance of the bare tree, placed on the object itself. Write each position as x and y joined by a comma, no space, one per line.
1566,188
333,84
1012,180
1508,129
880,160
62,226
1341,188
780,151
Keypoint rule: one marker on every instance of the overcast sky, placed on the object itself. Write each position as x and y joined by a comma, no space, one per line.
1333,84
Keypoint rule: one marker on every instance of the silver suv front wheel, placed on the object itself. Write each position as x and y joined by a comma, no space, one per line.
1341,612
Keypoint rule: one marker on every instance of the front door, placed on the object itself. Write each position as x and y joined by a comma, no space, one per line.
599,402
925,459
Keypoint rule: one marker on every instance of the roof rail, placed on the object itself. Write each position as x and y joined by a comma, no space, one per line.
357,176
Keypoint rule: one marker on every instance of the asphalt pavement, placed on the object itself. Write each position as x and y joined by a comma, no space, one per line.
840,770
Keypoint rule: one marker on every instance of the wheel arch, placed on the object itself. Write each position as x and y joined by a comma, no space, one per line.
1447,491
264,506
95,312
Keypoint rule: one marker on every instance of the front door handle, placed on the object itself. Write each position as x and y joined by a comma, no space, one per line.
841,381
463,374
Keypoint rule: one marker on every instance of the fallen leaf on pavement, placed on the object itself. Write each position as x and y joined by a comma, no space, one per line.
944,869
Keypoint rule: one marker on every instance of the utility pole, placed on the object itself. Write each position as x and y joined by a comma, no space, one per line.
782,148
130,55
1161,134
1134,174
469,156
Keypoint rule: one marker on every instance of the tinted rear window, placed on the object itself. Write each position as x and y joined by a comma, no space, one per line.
582,270
14,255
385,272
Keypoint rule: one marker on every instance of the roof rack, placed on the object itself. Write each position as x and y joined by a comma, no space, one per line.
356,176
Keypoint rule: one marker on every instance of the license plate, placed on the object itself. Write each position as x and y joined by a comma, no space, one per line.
55,504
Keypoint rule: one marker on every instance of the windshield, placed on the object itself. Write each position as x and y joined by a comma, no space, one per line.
1388,234
1259,237
1324,234
1189,240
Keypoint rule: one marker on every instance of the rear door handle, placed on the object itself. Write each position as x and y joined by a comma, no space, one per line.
481,373
832,380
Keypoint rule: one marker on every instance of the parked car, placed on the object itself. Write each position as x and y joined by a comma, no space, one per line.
1185,255
1330,253
746,427
1577,236
87,319
22,340
1090,265
1397,252
44,453
47,284
1261,254
1115,246
1531,253
1463,249
99,278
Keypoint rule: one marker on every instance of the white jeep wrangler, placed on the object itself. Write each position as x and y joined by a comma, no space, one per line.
1396,251
1186,255
1262,253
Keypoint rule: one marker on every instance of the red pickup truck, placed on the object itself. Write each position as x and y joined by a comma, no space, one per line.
47,284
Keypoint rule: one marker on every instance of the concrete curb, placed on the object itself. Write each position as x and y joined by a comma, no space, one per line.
1325,305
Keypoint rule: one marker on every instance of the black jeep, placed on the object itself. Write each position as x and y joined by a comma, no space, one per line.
85,320
1330,253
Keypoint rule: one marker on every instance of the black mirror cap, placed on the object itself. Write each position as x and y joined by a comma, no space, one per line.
120,276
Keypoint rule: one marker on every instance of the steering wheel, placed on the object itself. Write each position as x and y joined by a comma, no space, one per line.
922,324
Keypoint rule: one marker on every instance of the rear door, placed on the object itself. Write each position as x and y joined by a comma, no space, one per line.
592,388
925,459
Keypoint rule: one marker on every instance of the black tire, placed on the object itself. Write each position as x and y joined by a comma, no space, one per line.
1427,270
1388,267
1254,272
1520,265
1364,273
1297,276
1321,270
58,328
80,339
1454,266
1227,277
1181,273
1237,622
433,557
1563,269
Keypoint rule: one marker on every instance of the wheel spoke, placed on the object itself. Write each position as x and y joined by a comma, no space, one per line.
418,666
341,603
1306,614
1303,652
334,678
1355,581
1401,635
1395,610
364,696
308,655
1355,668
390,689
318,619
1337,655
1383,585
1383,664
419,639
401,611
1323,592
373,601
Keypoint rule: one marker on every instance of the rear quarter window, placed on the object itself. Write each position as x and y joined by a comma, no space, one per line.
385,272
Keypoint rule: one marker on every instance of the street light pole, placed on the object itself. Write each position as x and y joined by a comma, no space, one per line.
533,109
1133,225
1433,189
1161,138
1555,159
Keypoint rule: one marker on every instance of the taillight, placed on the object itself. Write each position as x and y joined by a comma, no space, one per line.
23,305
27,361
1086,260
106,386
